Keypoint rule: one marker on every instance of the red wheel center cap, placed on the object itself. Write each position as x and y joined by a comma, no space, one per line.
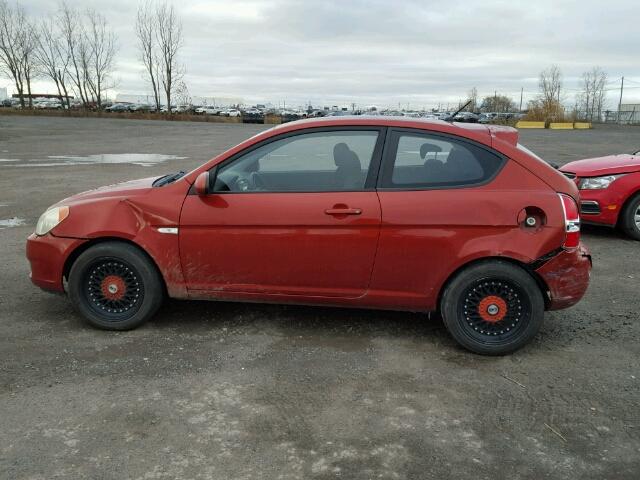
113,287
492,309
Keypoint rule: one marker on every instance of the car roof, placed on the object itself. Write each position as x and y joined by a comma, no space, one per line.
474,131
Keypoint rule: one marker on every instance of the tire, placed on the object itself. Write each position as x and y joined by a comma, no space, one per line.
628,221
115,286
493,307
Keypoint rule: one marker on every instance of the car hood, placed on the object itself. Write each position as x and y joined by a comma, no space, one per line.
609,165
124,189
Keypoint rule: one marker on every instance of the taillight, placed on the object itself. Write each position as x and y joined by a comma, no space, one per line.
571,221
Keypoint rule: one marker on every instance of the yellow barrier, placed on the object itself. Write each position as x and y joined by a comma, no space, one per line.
529,124
561,126
582,125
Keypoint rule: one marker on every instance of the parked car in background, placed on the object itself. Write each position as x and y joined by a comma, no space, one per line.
119,107
230,112
139,107
49,104
467,117
454,218
252,115
339,113
609,190
207,109
487,117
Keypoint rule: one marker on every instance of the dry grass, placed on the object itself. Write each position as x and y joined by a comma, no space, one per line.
189,117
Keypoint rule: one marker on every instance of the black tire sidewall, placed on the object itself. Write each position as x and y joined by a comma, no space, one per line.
628,220
498,269
153,287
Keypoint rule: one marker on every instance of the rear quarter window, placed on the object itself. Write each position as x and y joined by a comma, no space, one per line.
422,160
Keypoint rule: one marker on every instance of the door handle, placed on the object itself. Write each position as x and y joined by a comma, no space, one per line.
343,211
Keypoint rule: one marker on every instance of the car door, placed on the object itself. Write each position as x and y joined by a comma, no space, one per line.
294,215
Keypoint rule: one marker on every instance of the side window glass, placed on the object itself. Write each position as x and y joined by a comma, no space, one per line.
310,162
424,161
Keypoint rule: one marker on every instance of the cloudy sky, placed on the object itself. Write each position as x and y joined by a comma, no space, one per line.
386,52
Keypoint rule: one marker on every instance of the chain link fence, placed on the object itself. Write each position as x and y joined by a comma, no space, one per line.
625,117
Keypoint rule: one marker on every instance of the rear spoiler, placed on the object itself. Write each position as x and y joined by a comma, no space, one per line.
506,134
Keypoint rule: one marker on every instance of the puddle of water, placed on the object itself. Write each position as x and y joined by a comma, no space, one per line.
142,159
12,222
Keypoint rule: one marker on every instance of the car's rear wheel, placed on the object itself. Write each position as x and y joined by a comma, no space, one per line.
630,220
115,286
493,307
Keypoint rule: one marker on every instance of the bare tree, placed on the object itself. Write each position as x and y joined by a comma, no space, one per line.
472,97
550,84
90,47
17,43
28,61
182,94
99,49
73,40
169,38
52,57
591,99
147,46
497,103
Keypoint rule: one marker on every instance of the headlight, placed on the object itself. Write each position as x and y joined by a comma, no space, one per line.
594,183
50,219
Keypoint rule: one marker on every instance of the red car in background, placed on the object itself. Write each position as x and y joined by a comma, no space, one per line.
402,214
609,190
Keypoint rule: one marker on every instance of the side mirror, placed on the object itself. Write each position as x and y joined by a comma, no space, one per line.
201,184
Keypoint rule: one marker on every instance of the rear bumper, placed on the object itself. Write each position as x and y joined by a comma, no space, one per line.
567,277
47,256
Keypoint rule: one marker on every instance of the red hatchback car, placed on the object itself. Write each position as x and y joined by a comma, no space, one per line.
609,190
402,214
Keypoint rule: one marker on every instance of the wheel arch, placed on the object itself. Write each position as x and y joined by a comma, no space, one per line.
630,198
73,256
538,279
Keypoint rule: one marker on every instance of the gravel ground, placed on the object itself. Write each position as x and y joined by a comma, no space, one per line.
233,391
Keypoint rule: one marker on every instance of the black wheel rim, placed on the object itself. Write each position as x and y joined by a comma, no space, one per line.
494,310
113,288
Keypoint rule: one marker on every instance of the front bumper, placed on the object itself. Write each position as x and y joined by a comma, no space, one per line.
600,206
567,277
47,255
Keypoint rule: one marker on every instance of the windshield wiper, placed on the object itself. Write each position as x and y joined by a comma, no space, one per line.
167,179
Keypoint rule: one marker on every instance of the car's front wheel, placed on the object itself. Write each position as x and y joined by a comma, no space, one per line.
630,219
493,307
115,286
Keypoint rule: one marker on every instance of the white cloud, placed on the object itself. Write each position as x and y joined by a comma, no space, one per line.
382,52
